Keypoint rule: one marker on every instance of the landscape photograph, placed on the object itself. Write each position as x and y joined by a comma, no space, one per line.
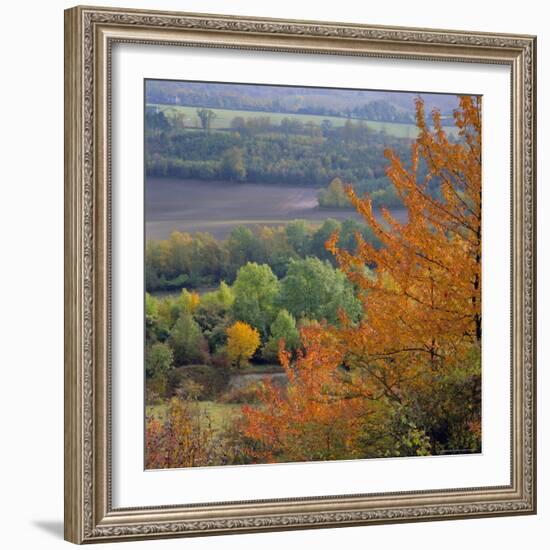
312,274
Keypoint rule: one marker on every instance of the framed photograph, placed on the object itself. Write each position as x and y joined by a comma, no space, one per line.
300,274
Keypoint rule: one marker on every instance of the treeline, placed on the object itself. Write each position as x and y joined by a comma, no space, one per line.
373,105
200,260
383,111
335,196
258,151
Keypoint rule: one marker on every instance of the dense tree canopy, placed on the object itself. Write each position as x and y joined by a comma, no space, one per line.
315,290
199,260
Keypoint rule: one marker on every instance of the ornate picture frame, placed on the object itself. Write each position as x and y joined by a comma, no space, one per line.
90,34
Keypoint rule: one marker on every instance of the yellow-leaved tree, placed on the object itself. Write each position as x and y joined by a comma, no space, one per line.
242,341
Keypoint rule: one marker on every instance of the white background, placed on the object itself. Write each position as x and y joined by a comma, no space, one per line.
134,487
31,98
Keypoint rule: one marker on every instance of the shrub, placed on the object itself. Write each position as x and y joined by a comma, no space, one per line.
245,395
212,380
184,438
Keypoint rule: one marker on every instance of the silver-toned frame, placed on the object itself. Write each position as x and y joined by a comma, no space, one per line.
89,36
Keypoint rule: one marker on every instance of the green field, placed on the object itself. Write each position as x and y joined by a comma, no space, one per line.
225,116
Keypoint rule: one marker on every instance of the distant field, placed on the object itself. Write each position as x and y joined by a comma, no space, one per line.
217,207
225,116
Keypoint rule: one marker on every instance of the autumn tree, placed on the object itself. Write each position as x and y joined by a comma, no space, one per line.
423,305
412,362
186,302
242,341
308,420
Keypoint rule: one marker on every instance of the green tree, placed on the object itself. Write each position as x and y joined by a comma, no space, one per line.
256,289
153,327
207,259
334,196
159,360
206,116
212,317
233,164
347,238
187,341
242,247
160,316
153,264
156,121
275,249
283,328
298,236
176,253
223,297
151,306
314,289
320,237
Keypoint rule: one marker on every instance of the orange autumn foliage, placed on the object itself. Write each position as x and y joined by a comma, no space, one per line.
312,419
422,307
414,354
194,302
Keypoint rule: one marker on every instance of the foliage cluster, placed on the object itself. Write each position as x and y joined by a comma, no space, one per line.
200,260
189,336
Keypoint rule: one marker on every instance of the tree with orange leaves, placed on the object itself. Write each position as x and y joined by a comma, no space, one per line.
309,420
411,365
